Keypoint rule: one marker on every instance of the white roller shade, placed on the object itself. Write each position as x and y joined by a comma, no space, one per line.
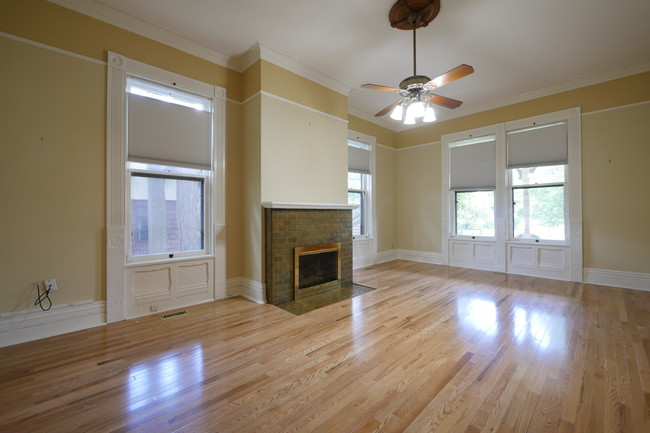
473,166
160,132
358,160
538,146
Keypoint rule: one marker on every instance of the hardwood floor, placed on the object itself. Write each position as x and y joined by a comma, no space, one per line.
435,348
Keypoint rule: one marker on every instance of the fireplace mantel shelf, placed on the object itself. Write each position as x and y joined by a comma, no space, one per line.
295,205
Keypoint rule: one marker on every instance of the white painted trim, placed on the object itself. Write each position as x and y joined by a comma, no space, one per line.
362,262
627,280
386,147
249,289
297,104
35,324
295,205
421,256
433,143
118,297
619,107
386,256
51,48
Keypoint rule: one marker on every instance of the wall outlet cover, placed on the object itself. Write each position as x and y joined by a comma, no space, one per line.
50,284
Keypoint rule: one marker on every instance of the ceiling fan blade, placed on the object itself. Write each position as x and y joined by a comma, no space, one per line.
445,102
378,87
389,108
450,76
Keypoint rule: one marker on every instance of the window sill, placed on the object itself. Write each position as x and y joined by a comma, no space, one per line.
131,264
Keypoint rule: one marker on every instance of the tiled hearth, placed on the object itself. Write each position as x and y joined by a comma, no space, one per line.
291,225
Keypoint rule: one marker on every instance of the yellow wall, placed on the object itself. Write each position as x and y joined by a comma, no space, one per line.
52,172
293,87
616,189
385,198
418,198
251,190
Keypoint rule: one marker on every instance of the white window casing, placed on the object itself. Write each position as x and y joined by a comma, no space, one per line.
175,281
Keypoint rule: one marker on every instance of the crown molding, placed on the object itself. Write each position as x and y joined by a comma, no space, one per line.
260,51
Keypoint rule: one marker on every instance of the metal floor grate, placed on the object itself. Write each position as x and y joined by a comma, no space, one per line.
175,314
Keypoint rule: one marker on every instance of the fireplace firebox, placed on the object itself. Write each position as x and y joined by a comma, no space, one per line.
317,268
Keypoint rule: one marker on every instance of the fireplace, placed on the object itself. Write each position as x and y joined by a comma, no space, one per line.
317,268
306,229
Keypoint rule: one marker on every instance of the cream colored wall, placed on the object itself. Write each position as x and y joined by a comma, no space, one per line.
304,154
251,217
52,171
234,190
616,189
385,198
418,198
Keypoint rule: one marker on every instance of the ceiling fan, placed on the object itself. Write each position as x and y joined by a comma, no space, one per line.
417,91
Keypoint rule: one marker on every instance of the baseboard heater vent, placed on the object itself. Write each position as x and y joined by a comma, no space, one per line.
171,315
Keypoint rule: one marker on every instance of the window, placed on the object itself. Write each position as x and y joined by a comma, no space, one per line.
358,194
536,162
475,213
472,181
167,209
169,169
359,187
538,203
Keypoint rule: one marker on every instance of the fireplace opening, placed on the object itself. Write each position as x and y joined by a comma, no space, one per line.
316,268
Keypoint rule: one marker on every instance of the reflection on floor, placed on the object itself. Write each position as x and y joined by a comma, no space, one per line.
319,300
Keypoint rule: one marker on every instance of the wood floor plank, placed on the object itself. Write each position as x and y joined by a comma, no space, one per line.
433,348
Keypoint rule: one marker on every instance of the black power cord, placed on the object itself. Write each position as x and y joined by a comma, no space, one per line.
42,297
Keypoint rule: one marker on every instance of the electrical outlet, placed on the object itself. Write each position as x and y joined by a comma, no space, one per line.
153,307
51,284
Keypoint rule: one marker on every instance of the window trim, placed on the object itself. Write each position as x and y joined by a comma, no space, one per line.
118,68
370,211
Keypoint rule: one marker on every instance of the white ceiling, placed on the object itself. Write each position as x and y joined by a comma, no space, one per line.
519,48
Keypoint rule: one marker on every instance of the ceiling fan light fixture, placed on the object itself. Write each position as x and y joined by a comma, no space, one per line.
409,120
415,109
397,113
429,114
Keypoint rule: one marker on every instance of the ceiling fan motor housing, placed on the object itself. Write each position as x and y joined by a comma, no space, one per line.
418,80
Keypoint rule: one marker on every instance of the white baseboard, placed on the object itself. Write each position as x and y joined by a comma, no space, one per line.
249,289
29,325
362,262
627,280
386,256
421,256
